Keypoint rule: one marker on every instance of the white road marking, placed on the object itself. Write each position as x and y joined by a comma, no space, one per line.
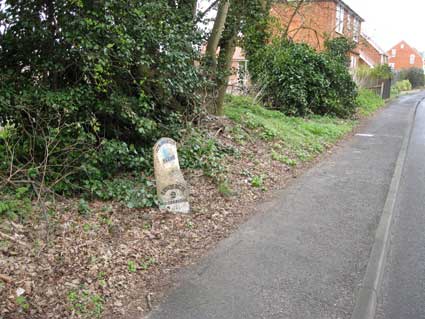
365,135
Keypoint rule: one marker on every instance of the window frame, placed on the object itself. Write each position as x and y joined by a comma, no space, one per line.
356,29
393,53
339,21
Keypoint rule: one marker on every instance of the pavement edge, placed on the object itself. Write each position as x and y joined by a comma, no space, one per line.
366,302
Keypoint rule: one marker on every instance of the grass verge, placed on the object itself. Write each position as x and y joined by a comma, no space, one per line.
296,139
368,102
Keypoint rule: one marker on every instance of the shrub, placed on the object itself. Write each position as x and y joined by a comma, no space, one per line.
339,47
366,77
404,85
297,80
85,95
414,75
394,91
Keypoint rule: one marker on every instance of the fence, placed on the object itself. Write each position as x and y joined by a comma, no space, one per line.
381,88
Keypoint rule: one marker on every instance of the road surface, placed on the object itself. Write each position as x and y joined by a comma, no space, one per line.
304,254
402,294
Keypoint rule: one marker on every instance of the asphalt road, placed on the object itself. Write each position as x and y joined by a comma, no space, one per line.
403,291
304,254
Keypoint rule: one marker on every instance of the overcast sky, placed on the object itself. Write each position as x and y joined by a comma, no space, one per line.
389,21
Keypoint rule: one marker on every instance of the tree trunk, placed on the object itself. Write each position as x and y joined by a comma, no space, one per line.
217,30
226,56
227,49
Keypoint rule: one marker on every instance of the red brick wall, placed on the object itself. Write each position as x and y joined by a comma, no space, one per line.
369,51
314,22
402,57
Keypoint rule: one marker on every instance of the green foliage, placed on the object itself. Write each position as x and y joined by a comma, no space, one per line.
394,91
22,302
304,138
85,303
15,205
199,151
368,102
296,80
339,48
366,77
134,192
83,207
257,181
403,85
255,27
381,71
132,266
86,88
415,76
283,159
147,263
224,189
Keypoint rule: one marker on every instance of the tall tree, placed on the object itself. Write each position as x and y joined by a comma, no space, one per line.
216,32
246,25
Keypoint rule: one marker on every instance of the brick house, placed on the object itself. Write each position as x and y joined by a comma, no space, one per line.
317,20
403,56
371,53
313,23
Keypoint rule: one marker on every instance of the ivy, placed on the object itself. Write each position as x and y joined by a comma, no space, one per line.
297,80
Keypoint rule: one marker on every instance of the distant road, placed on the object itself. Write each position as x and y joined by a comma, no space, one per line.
403,291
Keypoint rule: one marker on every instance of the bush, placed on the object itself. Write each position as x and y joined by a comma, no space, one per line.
297,80
404,85
367,77
394,91
86,87
415,76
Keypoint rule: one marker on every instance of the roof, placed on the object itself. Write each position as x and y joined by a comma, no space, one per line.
373,44
349,9
366,60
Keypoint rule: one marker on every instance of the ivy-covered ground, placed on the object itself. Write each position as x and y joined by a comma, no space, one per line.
106,259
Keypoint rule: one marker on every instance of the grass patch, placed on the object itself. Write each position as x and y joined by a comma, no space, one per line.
368,102
304,138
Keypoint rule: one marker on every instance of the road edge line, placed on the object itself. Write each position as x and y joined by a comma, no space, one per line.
366,302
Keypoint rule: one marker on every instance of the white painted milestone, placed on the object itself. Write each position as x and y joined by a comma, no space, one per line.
172,189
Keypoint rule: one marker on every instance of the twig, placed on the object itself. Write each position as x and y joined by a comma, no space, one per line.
202,14
5,278
149,301
14,240
218,132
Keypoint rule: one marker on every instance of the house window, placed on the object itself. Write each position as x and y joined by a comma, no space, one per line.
402,46
412,59
339,18
356,29
384,59
393,53
349,23
392,65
